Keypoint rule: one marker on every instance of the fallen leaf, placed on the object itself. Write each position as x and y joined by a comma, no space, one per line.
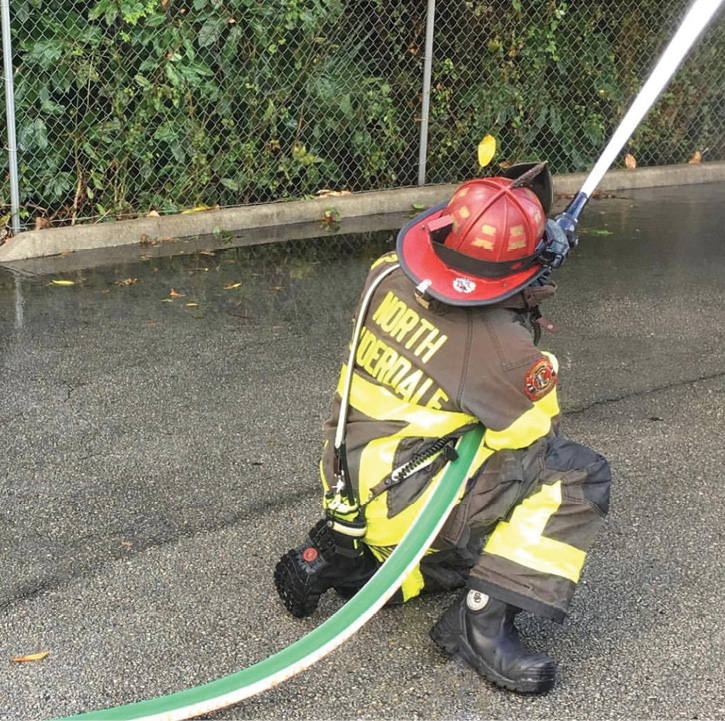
63,282
630,161
192,305
595,231
207,252
153,214
30,657
277,287
166,300
41,223
199,209
486,150
507,164
326,193
231,21
418,206
128,544
174,294
696,158
126,281
231,286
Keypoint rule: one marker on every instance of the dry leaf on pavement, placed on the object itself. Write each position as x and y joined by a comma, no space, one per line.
630,161
327,193
30,657
199,209
231,286
174,294
695,158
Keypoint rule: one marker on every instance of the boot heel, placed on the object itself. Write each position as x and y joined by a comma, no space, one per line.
445,640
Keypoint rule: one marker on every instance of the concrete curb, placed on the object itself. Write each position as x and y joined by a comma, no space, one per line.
54,241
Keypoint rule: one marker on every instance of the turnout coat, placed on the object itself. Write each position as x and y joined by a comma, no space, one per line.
424,374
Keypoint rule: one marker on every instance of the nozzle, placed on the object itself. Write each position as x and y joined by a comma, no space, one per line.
569,219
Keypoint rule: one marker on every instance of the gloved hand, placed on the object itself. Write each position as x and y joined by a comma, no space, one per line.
558,244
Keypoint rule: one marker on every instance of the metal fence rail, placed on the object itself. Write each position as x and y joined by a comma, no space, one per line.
131,106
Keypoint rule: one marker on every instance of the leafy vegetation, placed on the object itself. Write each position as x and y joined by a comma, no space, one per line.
125,106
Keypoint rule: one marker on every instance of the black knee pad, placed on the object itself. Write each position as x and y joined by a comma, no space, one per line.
565,455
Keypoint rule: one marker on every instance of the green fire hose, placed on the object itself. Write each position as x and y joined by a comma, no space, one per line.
329,635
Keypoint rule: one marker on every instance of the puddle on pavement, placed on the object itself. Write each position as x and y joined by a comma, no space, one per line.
654,242
274,284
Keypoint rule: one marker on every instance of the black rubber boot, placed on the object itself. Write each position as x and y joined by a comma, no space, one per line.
328,559
480,631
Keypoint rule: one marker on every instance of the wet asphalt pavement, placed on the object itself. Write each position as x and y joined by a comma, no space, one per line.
158,453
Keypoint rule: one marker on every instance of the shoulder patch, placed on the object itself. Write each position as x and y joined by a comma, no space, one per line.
540,379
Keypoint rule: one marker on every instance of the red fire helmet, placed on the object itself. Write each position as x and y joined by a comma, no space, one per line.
483,246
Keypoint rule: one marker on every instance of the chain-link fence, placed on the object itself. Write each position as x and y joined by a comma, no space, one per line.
131,106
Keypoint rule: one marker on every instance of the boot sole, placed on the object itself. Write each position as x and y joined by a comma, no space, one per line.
291,585
462,651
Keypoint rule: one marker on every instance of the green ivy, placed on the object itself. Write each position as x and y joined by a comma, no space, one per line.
128,105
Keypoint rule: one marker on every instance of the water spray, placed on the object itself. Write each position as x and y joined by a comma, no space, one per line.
694,22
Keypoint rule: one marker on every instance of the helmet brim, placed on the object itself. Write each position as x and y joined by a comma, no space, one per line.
421,264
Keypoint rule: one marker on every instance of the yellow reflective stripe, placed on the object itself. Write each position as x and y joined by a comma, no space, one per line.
376,462
520,540
549,404
526,429
389,258
378,402
412,584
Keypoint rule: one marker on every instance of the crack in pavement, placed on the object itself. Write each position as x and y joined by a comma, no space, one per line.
641,393
29,591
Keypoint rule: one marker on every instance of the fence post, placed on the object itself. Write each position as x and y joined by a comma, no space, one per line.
425,108
10,114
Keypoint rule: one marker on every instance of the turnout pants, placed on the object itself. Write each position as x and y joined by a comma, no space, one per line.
523,528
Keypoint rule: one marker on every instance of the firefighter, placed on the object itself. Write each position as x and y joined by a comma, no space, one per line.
449,325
